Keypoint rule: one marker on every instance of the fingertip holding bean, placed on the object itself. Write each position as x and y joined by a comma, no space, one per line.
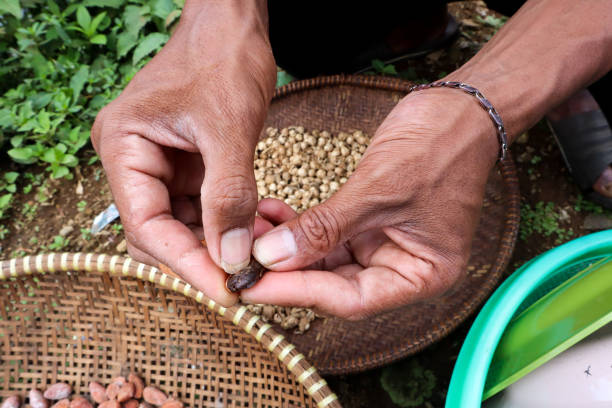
245,278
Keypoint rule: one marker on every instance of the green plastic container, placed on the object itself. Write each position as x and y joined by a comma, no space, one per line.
539,309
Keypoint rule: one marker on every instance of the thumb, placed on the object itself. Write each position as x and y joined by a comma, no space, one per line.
314,234
229,201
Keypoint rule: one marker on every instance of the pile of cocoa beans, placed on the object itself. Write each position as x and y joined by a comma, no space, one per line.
120,393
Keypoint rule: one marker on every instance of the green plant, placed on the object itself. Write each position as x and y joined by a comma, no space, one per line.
4,231
7,183
81,205
408,383
543,219
63,61
536,159
584,205
117,228
59,242
492,21
86,234
283,78
29,210
384,69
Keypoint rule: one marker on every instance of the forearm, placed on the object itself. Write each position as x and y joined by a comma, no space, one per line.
545,53
245,18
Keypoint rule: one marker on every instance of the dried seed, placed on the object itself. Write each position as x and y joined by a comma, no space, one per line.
64,403
154,396
138,385
11,402
110,404
58,391
80,402
113,388
97,392
246,277
37,400
126,392
172,403
130,404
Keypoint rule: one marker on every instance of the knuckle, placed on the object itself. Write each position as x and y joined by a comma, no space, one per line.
232,196
320,228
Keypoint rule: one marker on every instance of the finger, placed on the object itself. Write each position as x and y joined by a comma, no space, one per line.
135,174
278,212
141,256
349,294
395,279
229,201
315,233
275,211
261,226
184,210
365,244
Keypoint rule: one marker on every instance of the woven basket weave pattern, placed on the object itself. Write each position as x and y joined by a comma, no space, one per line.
76,328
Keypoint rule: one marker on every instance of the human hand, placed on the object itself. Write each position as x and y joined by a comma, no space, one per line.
399,231
177,145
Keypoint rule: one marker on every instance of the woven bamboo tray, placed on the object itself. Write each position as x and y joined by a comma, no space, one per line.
335,346
83,317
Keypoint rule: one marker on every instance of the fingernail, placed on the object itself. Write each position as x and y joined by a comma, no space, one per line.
275,246
235,250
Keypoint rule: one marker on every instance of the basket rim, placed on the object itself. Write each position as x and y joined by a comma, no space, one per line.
275,343
505,249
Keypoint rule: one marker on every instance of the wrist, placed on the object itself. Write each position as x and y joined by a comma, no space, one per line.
464,127
225,35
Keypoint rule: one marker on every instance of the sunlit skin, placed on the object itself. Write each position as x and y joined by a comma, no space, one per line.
178,144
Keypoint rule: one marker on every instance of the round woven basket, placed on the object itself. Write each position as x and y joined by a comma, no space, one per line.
88,317
335,346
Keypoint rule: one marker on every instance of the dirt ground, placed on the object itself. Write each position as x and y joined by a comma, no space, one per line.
55,215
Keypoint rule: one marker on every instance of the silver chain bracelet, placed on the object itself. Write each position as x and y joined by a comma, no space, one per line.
484,102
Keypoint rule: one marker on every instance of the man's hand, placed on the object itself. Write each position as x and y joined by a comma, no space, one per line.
400,229
177,145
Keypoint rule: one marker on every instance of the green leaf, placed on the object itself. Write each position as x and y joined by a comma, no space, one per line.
53,7
283,78
5,200
11,188
95,23
12,7
98,39
6,118
103,3
70,160
83,18
59,172
134,19
16,141
174,14
125,42
44,121
23,155
162,8
78,81
149,44
11,177
53,155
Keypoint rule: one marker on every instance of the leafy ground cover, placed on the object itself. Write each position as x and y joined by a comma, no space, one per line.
62,61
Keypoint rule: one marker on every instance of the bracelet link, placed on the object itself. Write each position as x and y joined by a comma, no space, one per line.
484,103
